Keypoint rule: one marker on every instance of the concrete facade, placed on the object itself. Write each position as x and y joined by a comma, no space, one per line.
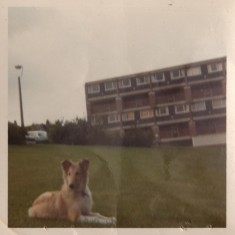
179,103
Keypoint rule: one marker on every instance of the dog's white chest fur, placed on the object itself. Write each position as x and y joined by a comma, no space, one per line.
85,202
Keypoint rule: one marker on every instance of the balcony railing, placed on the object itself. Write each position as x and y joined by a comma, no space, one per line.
169,132
161,99
135,103
196,94
103,108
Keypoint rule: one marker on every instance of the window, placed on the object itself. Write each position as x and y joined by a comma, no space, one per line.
113,118
194,71
128,116
163,111
177,73
146,114
214,67
218,104
142,80
94,88
110,86
181,108
158,77
199,106
125,83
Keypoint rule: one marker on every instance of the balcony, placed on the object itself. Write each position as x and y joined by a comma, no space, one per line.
135,101
211,126
202,91
174,131
169,97
103,107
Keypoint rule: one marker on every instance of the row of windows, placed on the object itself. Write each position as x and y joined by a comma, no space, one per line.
195,107
164,111
155,78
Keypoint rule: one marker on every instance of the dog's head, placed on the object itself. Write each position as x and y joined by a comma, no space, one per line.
75,174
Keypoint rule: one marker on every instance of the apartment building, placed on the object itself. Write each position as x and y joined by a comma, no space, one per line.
184,104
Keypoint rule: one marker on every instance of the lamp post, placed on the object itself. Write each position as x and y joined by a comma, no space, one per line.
20,67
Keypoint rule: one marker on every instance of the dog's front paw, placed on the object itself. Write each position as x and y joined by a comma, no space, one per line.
110,221
113,220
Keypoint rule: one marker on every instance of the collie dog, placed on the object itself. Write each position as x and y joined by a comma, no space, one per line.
73,201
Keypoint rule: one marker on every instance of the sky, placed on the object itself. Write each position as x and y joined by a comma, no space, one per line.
61,48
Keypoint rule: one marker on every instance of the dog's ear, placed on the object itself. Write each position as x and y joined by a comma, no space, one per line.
84,164
65,165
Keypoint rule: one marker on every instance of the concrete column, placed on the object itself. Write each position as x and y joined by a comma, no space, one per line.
187,93
223,84
155,129
88,105
152,98
119,103
192,128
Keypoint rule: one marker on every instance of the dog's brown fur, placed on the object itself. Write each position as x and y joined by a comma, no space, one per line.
74,198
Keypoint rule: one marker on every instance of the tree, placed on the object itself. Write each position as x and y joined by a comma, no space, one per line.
16,134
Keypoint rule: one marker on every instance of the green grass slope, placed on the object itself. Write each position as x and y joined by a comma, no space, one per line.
142,187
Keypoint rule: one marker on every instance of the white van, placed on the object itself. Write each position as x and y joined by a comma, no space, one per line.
34,137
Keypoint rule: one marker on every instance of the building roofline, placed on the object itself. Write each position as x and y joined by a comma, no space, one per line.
156,70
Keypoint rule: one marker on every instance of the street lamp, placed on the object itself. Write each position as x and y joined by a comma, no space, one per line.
20,67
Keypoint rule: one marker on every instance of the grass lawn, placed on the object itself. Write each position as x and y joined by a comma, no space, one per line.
142,187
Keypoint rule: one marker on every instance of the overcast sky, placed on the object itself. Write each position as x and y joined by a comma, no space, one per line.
62,48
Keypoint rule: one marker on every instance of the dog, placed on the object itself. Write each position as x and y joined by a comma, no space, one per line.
73,202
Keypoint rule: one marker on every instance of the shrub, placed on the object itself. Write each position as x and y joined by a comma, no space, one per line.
138,137
75,132
113,138
81,132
